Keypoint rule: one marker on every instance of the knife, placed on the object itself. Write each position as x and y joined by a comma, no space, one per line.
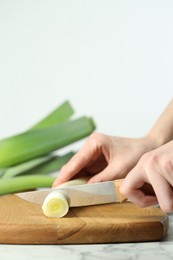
80,195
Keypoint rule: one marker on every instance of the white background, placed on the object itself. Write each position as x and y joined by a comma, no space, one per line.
112,59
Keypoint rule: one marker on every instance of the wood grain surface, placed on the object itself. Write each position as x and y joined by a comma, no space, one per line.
22,222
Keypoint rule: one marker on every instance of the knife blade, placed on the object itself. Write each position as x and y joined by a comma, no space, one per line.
80,195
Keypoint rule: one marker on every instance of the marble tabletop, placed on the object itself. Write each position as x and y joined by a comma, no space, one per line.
163,250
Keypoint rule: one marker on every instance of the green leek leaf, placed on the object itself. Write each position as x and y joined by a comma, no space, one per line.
39,142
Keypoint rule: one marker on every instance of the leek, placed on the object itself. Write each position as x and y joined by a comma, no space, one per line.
2,172
59,115
43,165
36,143
23,183
26,158
56,203
54,165
26,166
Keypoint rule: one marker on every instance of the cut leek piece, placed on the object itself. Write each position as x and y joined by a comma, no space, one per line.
25,183
55,205
59,115
36,143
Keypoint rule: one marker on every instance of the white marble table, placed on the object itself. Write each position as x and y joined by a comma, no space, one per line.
162,250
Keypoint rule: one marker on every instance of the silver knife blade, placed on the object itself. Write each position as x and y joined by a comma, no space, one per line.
79,195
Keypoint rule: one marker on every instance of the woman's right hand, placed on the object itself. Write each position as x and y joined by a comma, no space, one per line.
156,169
105,158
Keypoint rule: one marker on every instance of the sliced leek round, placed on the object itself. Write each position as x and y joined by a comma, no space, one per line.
55,205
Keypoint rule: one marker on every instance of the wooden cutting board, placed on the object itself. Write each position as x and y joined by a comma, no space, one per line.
22,222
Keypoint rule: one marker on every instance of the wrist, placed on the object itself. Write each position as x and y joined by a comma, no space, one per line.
156,140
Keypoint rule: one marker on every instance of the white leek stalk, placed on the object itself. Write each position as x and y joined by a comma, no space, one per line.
56,204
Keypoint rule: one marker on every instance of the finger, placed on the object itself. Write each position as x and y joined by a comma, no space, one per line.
77,163
163,190
96,166
166,169
113,171
131,188
105,175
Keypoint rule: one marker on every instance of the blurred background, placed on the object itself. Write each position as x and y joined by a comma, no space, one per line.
112,59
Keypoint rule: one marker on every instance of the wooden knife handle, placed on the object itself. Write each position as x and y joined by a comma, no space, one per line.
117,184
147,189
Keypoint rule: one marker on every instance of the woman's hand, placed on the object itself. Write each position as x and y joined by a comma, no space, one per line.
156,168
105,158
